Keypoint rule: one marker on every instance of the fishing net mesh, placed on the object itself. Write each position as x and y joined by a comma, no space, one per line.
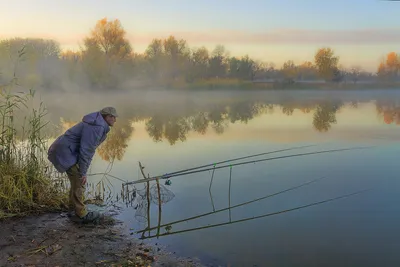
160,197
158,194
141,212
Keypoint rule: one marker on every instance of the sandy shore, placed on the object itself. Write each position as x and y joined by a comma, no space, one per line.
52,239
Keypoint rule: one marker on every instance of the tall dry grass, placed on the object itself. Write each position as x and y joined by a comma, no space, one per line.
27,183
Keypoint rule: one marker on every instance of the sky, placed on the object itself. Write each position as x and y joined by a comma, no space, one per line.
361,32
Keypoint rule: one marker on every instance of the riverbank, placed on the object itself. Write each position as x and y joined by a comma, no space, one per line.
229,84
30,188
296,86
52,239
236,84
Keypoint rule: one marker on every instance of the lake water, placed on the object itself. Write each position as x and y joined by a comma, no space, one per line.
360,230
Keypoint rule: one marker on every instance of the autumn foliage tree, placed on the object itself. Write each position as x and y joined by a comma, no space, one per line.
168,58
290,71
104,50
199,64
393,63
327,64
389,69
307,71
155,56
34,60
218,64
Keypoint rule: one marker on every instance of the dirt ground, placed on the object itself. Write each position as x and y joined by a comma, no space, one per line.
52,239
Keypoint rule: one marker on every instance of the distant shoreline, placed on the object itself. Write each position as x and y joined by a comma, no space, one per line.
278,85
257,85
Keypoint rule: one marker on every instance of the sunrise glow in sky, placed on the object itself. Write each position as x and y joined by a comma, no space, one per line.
361,32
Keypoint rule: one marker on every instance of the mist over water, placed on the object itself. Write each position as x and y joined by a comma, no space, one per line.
139,102
173,130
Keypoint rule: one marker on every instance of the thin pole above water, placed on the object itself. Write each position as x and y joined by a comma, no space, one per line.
243,163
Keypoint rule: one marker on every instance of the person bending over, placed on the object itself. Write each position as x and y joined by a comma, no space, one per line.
73,151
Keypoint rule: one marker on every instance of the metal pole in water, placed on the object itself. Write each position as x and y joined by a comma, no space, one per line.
209,189
237,205
230,181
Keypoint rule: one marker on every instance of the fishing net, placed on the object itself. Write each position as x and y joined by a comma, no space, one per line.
142,193
141,214
158,194
164,196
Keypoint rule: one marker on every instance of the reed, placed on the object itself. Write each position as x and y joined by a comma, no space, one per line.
27,181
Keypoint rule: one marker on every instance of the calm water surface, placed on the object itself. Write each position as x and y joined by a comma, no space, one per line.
361,230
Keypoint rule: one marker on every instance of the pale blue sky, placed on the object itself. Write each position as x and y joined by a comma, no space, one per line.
360,31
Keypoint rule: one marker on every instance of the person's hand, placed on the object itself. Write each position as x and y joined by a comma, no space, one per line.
83,180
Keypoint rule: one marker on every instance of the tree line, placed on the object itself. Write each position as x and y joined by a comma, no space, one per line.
106,60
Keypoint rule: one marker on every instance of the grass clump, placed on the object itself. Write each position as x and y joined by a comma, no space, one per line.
26,181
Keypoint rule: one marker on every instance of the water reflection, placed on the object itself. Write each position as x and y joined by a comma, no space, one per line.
174,127
325,115
159,194
206,202
142,199
117,141
169,226
171,128
389,111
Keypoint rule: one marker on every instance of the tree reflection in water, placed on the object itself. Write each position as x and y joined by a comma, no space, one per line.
115,145
174,126
388,111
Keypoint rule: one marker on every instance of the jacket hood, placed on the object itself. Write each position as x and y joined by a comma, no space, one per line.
95,118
